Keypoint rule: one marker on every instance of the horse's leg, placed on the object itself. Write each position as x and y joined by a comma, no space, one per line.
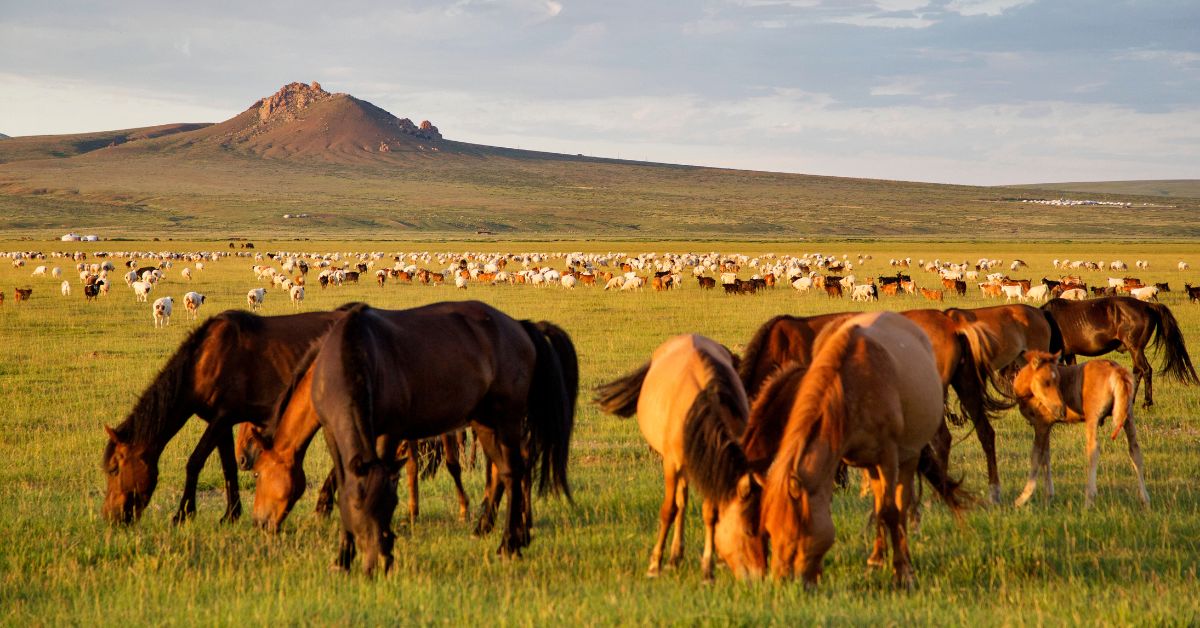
666,514
901,559
1142,370
709,510
1046,467
1093,460
414,496
450,446
233,497
195,464
327,495
879,549
1041,437
1135,455
492,494
346,551
504,449
681,497
987,440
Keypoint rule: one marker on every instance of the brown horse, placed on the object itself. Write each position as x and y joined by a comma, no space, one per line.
1050,393
692,410
962,364
872,397
279,446
1098,326
380,377
229,370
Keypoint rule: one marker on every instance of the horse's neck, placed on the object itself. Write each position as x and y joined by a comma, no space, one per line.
295,432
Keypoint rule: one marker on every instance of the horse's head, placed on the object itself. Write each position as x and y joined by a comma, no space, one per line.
368,500
132,474
245,447
796,516
279,483
739,537
1036,385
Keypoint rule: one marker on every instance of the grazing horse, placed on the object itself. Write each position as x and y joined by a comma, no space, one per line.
229,370
1096,327
276,453
381,377
872,398
692,410
961,350
1050,393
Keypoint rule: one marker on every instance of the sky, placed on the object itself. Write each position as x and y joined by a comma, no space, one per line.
978,92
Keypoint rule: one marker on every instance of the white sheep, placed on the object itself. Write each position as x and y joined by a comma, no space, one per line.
568,281
1148,293
1040,292
1183,266
56,272
66,288
254,298
141,290
297,294
192,301
1074,294
187,274
162,311
40,271
460,282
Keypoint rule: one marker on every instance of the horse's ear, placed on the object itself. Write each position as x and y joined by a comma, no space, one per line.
745,486
258,439
1057,356
1022,355
794,487
112,435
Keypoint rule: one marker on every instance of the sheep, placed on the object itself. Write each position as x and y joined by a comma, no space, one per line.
460,282
568,281
615,283
187,274
162,311
66,288
1148,293
40,271
141,289
297,293
864,292
254,298
1039,292
1183,266
192,301
1074,294
56,272
1011,292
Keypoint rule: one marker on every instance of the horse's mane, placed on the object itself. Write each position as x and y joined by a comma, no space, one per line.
769,413
712,430
156,410
751,354
268,429
818,413
358,372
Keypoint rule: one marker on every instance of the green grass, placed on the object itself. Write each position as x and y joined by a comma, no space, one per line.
71,367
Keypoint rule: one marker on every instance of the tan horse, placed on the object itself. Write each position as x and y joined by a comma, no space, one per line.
692,410
1050,393
872,397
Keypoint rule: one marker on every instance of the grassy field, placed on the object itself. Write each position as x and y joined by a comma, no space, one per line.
70,367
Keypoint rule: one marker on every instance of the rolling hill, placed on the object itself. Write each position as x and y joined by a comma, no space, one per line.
356,170
1164,188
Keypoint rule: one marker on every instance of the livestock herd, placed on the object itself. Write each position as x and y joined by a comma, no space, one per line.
760,435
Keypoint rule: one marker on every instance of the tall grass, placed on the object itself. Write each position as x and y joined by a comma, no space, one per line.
69,367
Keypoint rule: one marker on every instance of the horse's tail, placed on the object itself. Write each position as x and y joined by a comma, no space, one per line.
1057,343
976,373
949,489
620,396
1176,362
1121,382
551,404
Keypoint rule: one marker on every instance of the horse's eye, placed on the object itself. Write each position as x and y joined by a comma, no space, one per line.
255,474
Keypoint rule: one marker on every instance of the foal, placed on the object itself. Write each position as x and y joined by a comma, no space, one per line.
1050,393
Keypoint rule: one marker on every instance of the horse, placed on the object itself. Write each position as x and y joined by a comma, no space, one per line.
380,377
962,351
229,370
871,398
1051,393
1096,327
692,410
276,450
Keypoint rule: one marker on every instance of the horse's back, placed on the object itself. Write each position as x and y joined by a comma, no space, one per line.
680,369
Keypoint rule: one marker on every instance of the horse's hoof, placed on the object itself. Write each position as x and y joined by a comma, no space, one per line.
182,516
652,572
995,492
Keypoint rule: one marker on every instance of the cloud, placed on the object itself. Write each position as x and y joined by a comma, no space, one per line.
990,8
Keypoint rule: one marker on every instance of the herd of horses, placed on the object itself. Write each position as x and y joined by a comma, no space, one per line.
764,436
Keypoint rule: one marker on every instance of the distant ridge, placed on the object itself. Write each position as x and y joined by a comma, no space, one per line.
1165,188
3,136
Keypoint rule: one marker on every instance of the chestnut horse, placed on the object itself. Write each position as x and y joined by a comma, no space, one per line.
1098,326
229,370
380,377
692,410
279,446
872,398
1050,393
962,364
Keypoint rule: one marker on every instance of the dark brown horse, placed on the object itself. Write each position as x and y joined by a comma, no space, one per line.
1098,326
959,349
381,377
229,370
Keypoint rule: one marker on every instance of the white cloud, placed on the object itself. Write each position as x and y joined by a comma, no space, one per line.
990,8
553,8
875,20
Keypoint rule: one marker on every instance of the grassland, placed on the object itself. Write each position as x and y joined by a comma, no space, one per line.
70,367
